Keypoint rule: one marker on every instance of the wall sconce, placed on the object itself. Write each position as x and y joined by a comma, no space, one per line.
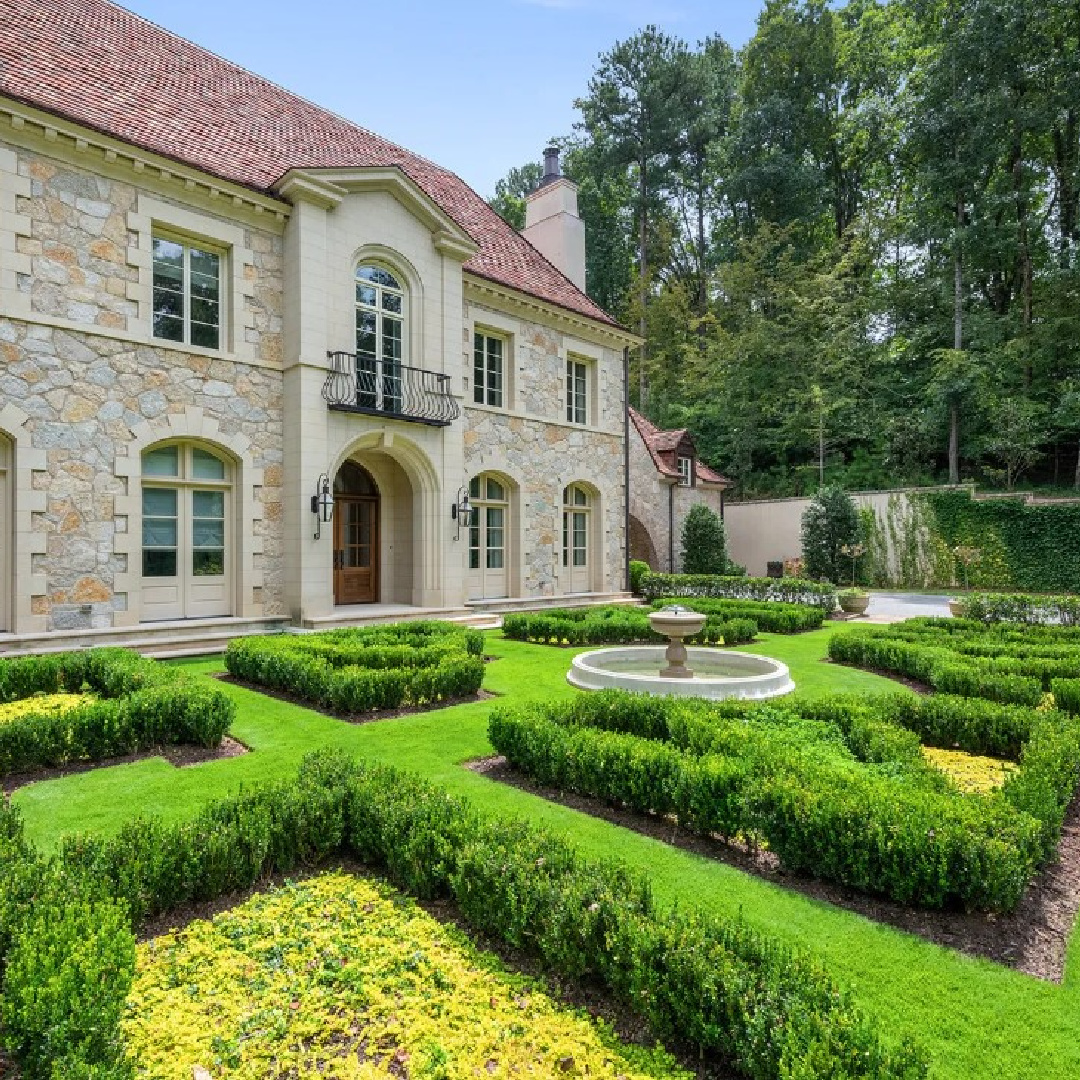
461,511
322,503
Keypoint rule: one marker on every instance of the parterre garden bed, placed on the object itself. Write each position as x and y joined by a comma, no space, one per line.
838,788
99,704
68,952
358,671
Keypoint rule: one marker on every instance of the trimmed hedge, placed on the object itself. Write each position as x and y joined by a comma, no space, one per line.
836,788
1005,662
772,616
615,625
139,704
364,670
1021,608
768,1010
714,587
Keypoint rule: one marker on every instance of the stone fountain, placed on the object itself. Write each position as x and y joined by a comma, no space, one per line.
715,673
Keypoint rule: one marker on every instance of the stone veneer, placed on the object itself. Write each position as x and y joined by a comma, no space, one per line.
91,395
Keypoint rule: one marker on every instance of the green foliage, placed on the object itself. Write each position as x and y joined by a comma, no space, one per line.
638,570
354,671
68,964
830,522
713,587
837,789
771,616
704,548
620,625
1021,608
140,704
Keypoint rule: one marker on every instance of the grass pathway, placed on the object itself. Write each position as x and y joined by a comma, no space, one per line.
979,1021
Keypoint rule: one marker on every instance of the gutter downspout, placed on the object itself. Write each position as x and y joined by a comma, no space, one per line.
626,465
671,528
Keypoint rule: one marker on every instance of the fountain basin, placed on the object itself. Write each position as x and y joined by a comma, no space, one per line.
718,673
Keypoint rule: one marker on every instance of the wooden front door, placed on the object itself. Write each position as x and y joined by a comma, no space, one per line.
356,549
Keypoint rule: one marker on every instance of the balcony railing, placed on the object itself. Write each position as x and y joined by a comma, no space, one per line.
363,384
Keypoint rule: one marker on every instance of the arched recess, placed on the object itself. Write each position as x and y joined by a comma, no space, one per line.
581,565
494,550
25,609
641,543
410,524
245,517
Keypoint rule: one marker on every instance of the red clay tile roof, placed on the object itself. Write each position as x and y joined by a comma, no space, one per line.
105,68
662,446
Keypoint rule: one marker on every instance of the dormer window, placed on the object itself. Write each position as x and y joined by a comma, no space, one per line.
686,472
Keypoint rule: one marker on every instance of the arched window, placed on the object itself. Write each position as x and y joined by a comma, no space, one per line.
380,338
186,558
576,529
489,561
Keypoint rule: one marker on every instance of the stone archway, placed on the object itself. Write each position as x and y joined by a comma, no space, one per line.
641,544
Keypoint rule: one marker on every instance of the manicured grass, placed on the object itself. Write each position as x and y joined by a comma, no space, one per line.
977,1019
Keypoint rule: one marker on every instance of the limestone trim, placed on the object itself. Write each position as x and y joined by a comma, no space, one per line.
484,291
77,145
13,225
191,426
27,476
328,187
429,528
153,215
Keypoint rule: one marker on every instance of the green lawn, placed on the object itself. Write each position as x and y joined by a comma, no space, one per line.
978,1020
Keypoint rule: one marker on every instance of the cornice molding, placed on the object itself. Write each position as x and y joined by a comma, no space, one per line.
485,291
329,186
51,134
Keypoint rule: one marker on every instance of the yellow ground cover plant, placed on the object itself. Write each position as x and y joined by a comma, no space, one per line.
41,705
342,978
973,774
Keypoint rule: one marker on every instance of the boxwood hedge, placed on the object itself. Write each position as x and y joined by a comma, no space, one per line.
716,587
1003,662
772,616
67,924
835,788
137,704
616,625
363,670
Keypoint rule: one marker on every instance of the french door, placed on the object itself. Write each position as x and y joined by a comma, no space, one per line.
576,558
489,565
356,549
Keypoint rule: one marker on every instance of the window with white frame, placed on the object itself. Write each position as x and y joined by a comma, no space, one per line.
488,359
380,338
686,472
187,292
577,391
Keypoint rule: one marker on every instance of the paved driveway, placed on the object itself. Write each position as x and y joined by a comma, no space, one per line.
888,607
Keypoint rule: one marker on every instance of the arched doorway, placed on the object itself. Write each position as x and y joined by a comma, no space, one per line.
356,536
641,544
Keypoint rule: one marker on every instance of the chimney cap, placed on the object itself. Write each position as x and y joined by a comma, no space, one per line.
551,165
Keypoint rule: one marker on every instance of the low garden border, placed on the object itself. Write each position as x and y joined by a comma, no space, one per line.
616,625
367,669
139,703
1032,609
771,616
715,587
836,788
67,923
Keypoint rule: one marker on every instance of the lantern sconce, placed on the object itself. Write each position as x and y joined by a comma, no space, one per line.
461,511
322,503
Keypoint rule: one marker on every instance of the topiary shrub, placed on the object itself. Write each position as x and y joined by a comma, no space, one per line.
830,522
638,570
704,546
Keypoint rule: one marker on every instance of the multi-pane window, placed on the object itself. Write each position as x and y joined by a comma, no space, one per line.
183,512
577,393
686,472
487,525
576,505
187,293
380,339
487,369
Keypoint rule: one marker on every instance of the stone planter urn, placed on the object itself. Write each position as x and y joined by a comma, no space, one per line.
853,603
676,623
956,607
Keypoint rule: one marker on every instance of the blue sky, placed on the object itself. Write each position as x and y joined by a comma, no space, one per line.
478,85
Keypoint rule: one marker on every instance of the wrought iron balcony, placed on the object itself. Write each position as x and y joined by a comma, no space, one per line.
362,384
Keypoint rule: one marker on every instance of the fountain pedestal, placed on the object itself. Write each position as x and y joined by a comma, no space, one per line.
676,623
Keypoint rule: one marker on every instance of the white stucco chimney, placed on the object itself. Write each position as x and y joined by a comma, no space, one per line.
552,224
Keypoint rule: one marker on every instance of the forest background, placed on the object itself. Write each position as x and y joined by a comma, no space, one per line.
852,246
